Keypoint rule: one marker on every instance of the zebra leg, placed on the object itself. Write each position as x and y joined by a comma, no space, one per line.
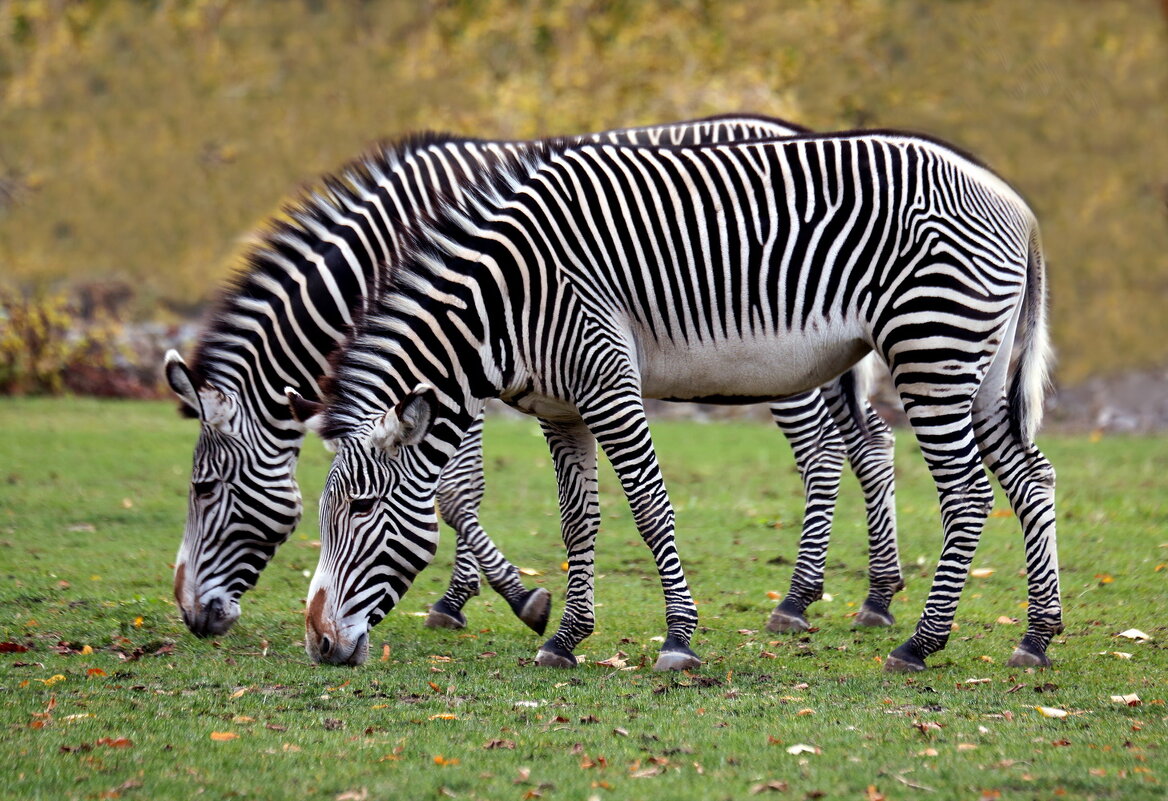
819,456
868,440
1028,480
946,436
619,424
573,451
460,493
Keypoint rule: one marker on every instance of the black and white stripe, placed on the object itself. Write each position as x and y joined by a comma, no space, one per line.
277,325
585,277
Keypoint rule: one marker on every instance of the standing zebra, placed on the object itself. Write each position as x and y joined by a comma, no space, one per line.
282,318
582,278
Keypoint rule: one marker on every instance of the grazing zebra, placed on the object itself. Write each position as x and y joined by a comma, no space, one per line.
282,318
581,278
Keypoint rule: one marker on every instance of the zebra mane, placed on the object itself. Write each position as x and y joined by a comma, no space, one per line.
298,221
423,253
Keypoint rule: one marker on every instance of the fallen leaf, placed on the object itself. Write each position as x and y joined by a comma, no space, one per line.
617,660
966,747
772,786
564,566
929,752
138,621
51,680
620,732
491,745
529,571
1007,621
441,760
803,712
12,648
1060,743
223,736
647,773
775,596
1104,578
872,794
801,748
1127,700
982,572
94,672
385,653
1002,513
1134,634
238,693
116,742
353,795
434,687
1051,712
444,716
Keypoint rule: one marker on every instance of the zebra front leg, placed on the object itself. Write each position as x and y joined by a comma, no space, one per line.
819,455
620,426
460,493
573,451
947,441
869,443
1028,480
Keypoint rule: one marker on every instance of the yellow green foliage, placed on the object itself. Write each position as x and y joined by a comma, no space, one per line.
142,140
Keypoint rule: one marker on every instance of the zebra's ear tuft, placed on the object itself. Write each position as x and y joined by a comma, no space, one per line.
304,410
181,382
416,413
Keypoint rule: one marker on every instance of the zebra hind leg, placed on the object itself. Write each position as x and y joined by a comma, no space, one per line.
1028,480
869,443
946,437
819,457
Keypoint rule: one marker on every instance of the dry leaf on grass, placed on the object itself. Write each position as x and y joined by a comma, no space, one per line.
223,736
982,572
803,748
1134,634
1051,712
1127,700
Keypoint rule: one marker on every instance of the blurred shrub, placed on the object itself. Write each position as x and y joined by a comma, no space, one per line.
46,347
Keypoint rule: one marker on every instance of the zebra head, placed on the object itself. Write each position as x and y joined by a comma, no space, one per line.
243,503
378,525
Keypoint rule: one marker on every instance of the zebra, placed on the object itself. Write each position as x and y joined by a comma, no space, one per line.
580,278
283,316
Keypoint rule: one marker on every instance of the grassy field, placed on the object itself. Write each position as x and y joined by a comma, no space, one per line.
114,699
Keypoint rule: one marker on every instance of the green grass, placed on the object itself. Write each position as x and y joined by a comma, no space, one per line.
415,726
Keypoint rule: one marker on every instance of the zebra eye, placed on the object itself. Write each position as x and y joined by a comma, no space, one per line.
204,489
362,506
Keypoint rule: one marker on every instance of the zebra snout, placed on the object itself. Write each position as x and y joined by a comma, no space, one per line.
212,617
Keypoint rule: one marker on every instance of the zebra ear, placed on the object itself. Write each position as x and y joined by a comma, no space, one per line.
182,383
217,407
416,413
304,410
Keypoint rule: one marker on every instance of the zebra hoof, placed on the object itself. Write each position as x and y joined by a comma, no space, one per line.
1023,658
444,616
871,617
677,660
904,659
787,622
534,609
555,658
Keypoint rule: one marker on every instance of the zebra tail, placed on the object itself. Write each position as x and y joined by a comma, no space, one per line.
1032,349
855,386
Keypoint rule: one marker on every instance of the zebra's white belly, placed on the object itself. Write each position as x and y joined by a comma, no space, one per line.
755,369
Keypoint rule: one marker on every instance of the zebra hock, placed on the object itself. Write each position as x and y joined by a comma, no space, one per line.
584,278
282,317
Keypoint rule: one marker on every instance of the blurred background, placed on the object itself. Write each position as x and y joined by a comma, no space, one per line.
141,142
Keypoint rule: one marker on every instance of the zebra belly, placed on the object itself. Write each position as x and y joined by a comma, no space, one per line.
745,371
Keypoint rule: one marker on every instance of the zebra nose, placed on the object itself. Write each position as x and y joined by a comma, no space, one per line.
326,645
212,618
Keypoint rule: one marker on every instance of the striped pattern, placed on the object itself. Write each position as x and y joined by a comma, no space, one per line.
585,277
278,324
